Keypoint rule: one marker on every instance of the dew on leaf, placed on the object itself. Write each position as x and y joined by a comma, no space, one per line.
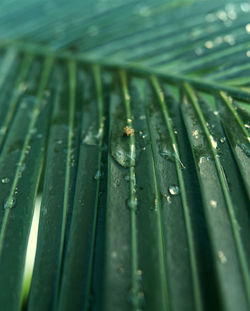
209,44
247,28
127,178
174,189
98,175
195,134
213,203
5,180
133,203
245,7
10,203
222,257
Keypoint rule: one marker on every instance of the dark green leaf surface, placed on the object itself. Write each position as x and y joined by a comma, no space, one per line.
131,119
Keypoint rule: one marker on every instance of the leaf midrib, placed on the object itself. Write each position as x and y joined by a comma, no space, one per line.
199,83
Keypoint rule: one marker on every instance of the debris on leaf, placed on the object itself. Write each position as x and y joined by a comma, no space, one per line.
128,131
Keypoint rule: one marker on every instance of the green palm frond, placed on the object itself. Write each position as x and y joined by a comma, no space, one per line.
129,121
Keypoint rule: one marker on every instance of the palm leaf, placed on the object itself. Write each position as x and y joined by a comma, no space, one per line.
130,120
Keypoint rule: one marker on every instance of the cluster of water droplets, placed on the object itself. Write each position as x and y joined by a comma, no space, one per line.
136,295
227,16
132,201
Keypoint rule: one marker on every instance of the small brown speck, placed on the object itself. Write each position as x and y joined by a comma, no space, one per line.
128,131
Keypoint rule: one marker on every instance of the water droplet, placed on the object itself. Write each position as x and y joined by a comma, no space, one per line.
27,150
143,135
195,134
213,203
222,139
21,166
98,175
210,17
245,148
204,160
23,87
166,154
33,130
221,15
199,51
209,44
5,180
117,182
123,158
92,137
174,190
155,206
136,297
143,11
245,7
114,254
213,142
168,198
142,117
139,275
218,40
133,203
127,178
232,14
247,126
10,203
222,257
3,130
247,28
248,53
229,39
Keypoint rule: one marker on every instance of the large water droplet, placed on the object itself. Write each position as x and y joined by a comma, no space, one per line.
123,155
92,137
